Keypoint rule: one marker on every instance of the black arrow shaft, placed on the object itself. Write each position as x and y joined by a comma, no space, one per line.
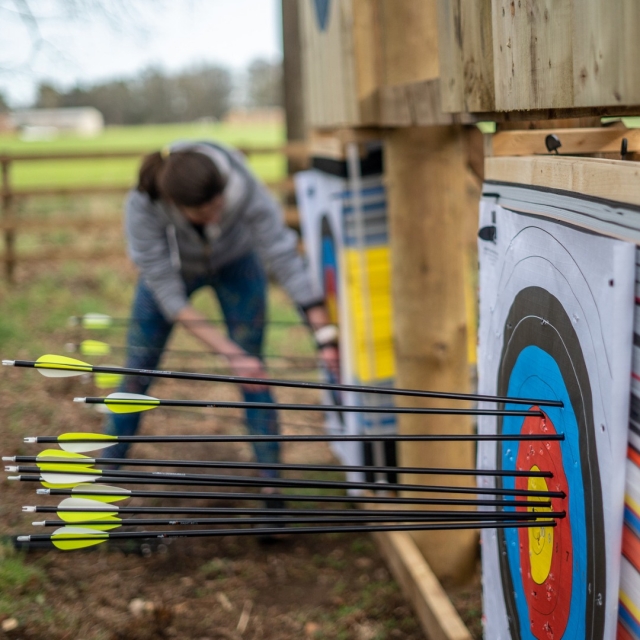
283,467
315,438
126,477
210,404
206,533
365,513
450,517
221,495
298,384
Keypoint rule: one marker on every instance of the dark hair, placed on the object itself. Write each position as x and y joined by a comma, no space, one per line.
187,178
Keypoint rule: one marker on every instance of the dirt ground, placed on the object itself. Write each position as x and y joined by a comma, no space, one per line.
333,586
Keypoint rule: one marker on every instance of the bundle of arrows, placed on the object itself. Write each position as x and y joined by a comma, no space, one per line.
91,486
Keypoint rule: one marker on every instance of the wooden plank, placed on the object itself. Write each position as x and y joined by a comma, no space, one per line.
465,44
616,180
605,50
532,52
437,615
574,141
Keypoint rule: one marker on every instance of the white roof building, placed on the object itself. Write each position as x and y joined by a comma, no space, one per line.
86,121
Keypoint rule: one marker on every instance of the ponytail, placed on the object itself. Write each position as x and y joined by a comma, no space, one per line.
186,177
149,174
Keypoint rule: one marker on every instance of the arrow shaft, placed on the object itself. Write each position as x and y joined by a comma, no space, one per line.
126,477
284,467
406,514
297,384
450,517
208,404
313,438
221,495
206,533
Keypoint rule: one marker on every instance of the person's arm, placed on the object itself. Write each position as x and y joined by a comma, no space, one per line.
241,363
326,335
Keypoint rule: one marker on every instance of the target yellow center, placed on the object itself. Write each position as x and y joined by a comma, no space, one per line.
540,538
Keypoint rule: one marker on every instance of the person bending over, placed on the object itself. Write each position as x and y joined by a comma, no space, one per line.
199,218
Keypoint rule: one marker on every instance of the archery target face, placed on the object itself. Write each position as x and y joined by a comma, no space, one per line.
556,313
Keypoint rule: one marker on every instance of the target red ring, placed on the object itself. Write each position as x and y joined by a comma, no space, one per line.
546,572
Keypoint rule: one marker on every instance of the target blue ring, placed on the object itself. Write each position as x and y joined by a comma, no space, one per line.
547,383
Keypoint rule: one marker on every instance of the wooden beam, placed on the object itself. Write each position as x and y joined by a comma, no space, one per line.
409,31
616,180
437,615
466,55
574,141
428,214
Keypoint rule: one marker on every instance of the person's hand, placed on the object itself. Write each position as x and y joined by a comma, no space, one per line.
246,366
330,358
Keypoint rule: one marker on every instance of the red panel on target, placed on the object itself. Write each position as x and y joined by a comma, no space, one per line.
546,554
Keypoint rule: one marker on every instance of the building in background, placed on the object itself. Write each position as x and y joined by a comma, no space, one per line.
46,123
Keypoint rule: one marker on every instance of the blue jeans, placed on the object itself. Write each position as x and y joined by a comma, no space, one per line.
241,288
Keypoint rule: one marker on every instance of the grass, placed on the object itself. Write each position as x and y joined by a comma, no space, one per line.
147,138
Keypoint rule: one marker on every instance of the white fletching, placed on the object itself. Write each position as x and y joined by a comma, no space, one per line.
67,478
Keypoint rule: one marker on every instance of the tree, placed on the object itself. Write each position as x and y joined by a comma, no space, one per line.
48,96
264,84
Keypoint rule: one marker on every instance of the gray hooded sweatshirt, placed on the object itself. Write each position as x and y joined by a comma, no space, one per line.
168,250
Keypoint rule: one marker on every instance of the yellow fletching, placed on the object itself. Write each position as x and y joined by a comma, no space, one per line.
86,436
70,538
49,364
96,321
101,492
82,516
99,440
130,404
61,467
107,380
110,522
54,455
94,348
56,485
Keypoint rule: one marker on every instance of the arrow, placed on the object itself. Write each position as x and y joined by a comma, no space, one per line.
65,478
70,538
108,494
99,348
63,366
84,442
350,518
104,321
71,460
136,403
81,509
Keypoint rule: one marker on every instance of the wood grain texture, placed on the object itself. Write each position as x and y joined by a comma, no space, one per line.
606,47
409,41
428,211
532,53
465,44
616,180
574,141
437,615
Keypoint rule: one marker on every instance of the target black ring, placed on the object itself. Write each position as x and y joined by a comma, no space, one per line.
537,318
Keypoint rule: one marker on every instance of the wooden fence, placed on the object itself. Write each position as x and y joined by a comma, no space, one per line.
11,224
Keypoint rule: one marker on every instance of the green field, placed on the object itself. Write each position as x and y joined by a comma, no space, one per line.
44,174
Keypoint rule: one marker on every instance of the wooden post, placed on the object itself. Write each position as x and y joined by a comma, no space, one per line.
293,99
429,213
8,222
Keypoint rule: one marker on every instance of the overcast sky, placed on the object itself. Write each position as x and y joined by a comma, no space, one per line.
172,34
